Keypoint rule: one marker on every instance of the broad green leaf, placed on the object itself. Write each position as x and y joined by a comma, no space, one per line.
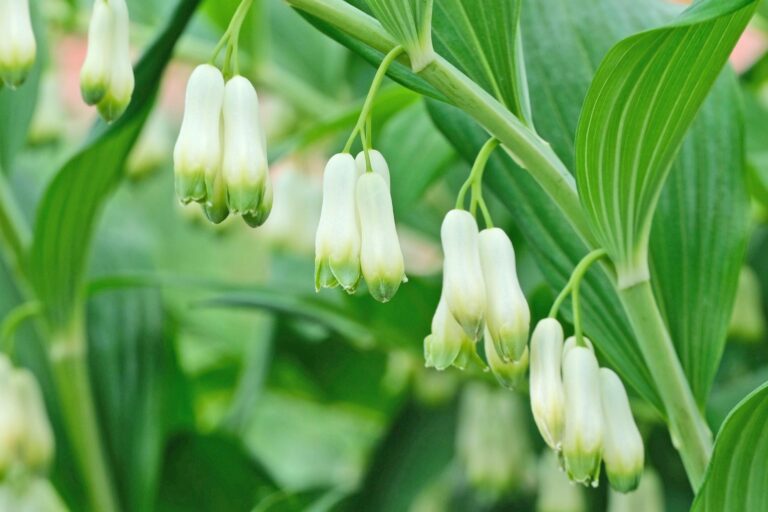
641,102
70,207
699,236
486,44
737,476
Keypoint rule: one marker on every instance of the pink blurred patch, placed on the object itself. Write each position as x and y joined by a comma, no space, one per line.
752,45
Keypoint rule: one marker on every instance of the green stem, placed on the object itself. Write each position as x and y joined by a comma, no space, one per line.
14,232
375,84
690,433
70,372
572,287
476,174
16,317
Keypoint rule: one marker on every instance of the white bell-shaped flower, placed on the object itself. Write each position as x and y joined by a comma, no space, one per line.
584,430
378,164
623,446
121,80
197,154
546,382
380,256
507,314
444,343
463,284
17,42
245,161
337,242
36,449
96,72
508,373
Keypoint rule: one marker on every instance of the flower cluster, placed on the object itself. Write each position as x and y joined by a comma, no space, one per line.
481,297
220,157
582,410
106,78
356,235
26,438
17,42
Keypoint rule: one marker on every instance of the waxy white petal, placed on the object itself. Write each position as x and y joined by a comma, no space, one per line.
546,382
378,164
380,256
442,346
17,42
463,285
507,314
96,72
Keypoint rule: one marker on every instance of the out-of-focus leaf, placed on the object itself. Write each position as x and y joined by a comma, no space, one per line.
642,100
737,476
417,449
210,473
69,210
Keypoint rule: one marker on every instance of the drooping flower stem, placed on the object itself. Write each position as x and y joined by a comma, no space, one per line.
389,58
231,39
475,183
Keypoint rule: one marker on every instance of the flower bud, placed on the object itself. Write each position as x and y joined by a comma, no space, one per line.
36,449
378,164
245,161
583,436
121,80
197,154
337,243
509,374
463,284
442,346
380,256
17,42
622,447
546,383
97,68
507,315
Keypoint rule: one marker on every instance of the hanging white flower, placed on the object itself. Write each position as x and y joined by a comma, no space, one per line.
380,256
378,164
337,242
623,450
121,80
463,284
445,342
17,42
508,373
546,382
197,154
507,315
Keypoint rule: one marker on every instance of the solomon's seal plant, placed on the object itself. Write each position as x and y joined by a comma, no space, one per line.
543,201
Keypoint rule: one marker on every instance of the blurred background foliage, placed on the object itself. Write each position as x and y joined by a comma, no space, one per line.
223,382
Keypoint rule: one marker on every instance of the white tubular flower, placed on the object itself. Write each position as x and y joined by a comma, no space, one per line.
378,164
509,374
37,446
197,154
337,243
442,346
583,437
245,161
380,256
121,79
17,42
623,447
507,315
546,382
96,72
463,285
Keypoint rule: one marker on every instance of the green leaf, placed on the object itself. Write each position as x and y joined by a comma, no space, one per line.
486,44
699,236
642,100
70,207
737,476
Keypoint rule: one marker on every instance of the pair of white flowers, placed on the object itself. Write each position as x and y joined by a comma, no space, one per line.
356,236
481,296
106,78
220,157
582,410
26,438
17,42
